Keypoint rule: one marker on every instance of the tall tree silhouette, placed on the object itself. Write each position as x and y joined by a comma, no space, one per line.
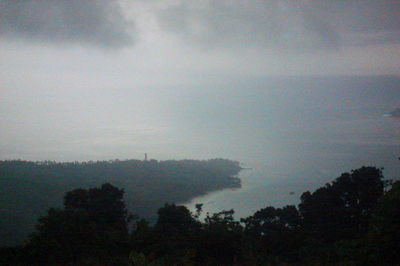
341,209
93,223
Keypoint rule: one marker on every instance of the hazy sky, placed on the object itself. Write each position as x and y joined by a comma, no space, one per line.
102,79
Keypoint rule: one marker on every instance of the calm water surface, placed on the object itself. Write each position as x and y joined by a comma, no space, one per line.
277,185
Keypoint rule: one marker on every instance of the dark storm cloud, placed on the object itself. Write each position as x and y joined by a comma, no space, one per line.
284,23
98,22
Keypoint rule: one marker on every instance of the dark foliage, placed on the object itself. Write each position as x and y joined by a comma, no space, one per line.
342,209
350,221
382,243
93,224
28,189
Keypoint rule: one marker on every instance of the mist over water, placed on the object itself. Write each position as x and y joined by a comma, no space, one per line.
159,102
305,133
282,183
296,133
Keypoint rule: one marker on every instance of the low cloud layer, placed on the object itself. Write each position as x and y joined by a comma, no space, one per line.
98,22
283,23
279,24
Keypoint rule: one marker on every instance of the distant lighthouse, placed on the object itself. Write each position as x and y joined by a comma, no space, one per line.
145,156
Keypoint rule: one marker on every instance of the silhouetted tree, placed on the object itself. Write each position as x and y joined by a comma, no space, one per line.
277,232
173,219
341,209
272,219
171,238
93,224
222,241
382,243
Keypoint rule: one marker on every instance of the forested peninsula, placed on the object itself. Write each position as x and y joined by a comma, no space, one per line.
28,189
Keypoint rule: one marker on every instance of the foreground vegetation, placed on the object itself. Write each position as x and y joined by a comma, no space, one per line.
353,220
28,189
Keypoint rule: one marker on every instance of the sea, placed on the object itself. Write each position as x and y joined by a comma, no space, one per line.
296,135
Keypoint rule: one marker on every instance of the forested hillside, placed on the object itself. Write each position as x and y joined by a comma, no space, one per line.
352,220
28,189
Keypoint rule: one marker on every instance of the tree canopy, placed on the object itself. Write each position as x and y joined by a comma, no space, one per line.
94,223
28,189
350,221
343,206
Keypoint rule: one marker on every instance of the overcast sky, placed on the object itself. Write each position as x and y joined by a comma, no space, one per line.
102,79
